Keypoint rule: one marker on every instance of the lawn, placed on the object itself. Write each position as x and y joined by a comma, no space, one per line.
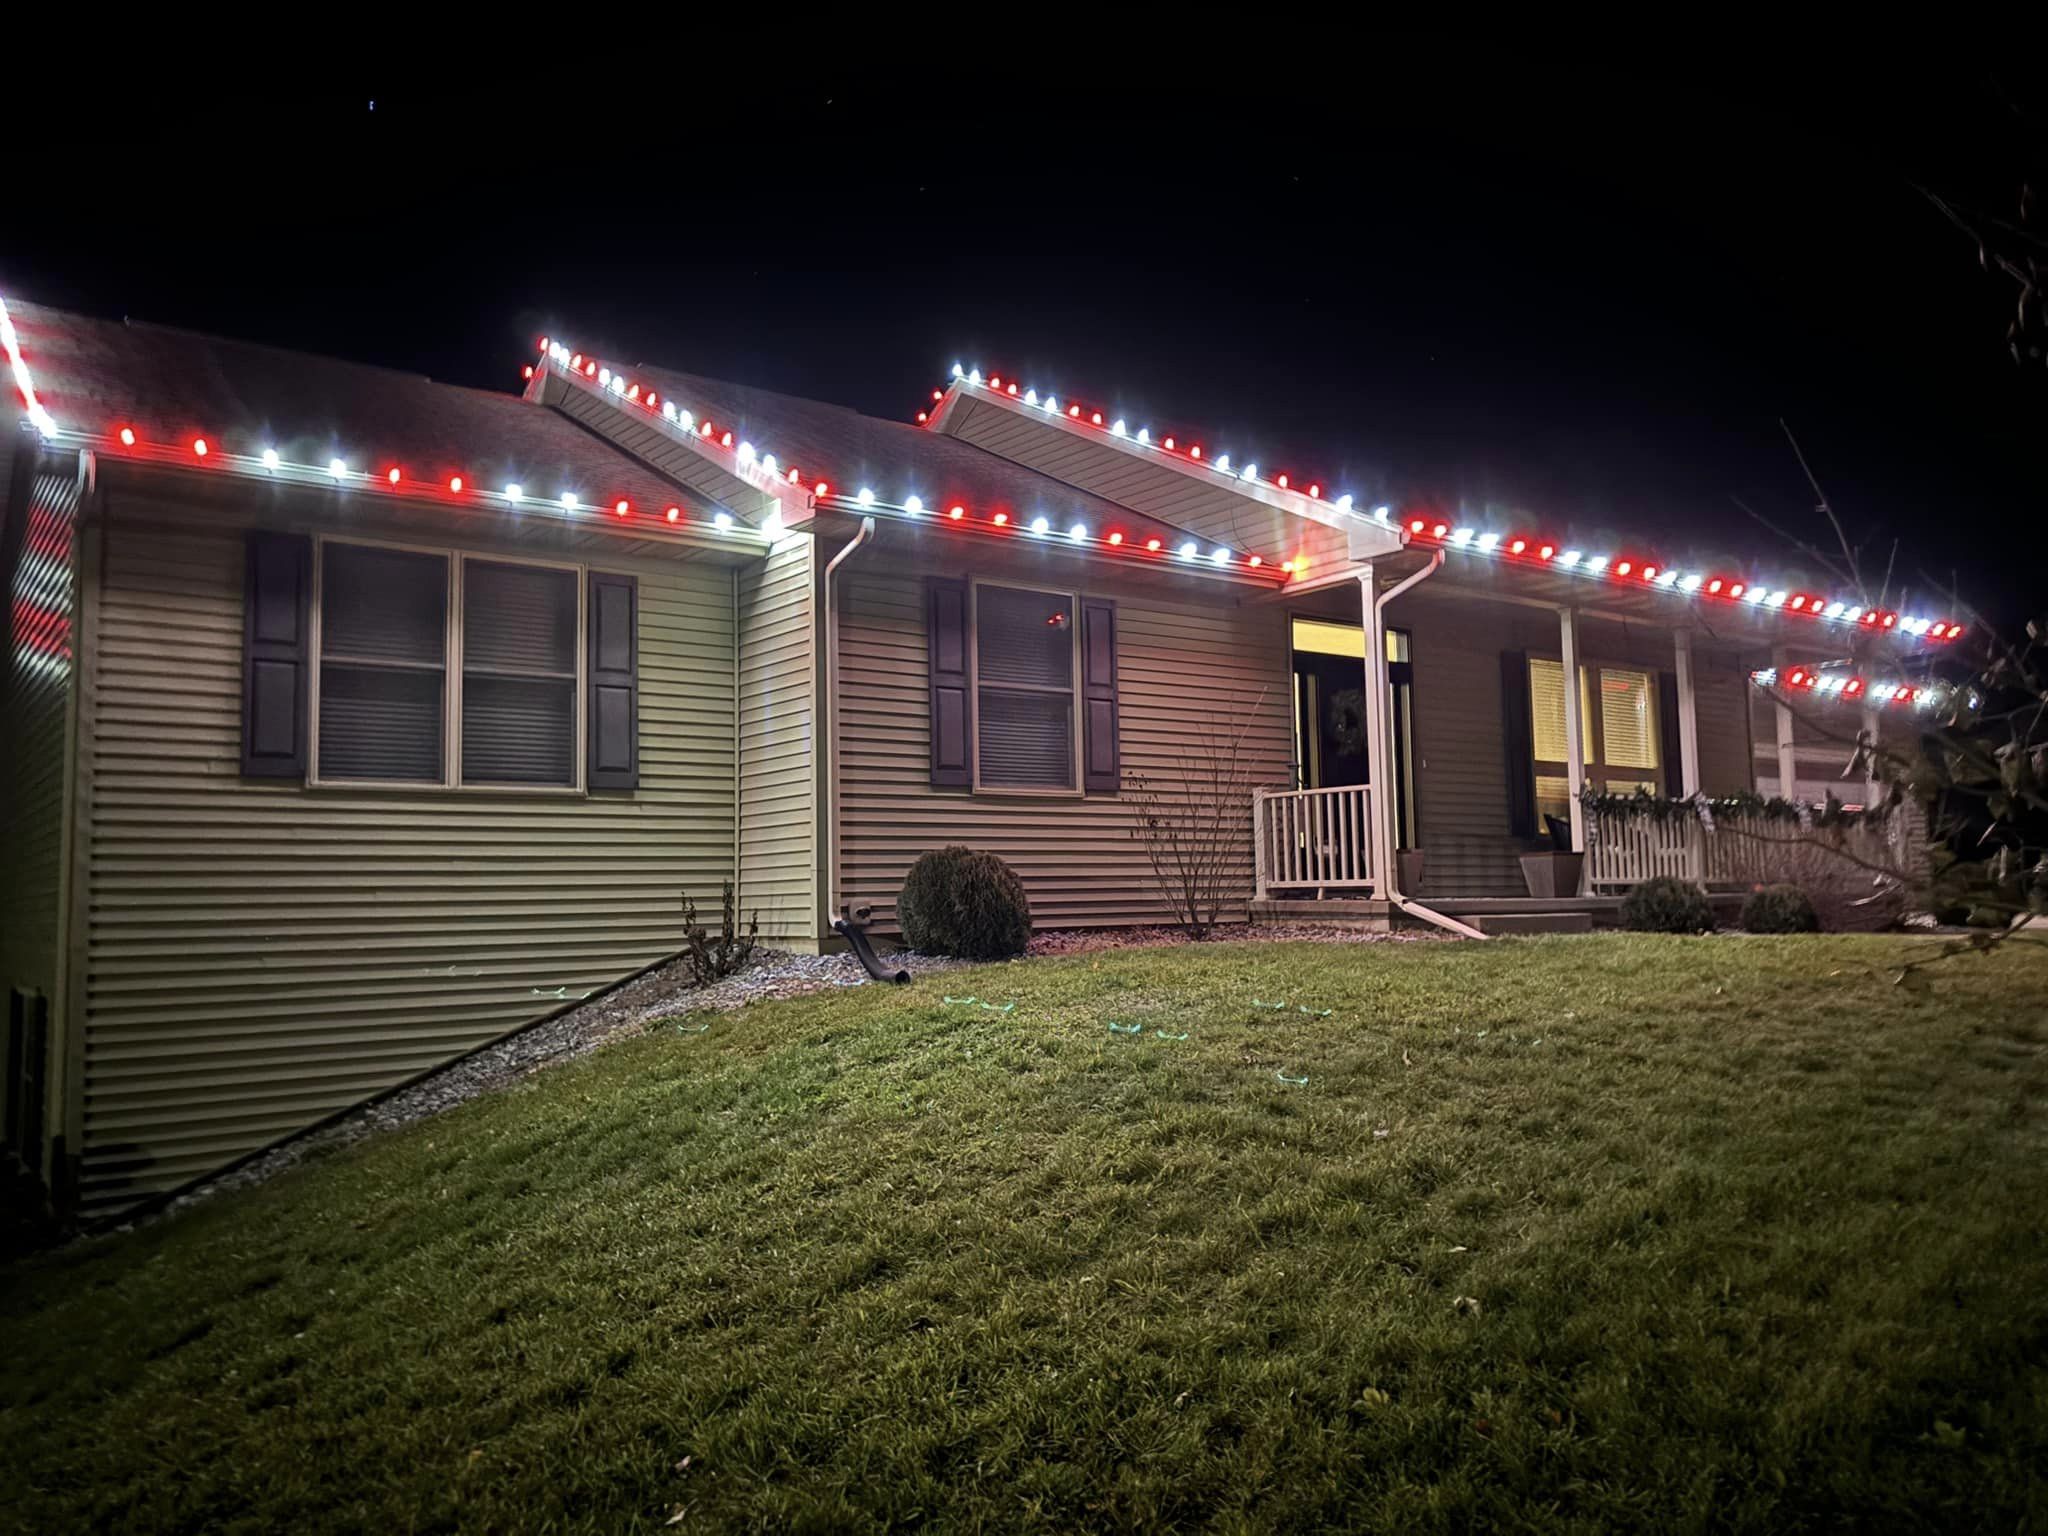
1619,1232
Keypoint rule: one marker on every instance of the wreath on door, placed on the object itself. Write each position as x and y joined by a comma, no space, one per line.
1347,720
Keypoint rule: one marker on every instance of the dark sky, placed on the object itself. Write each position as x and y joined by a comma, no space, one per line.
1584,293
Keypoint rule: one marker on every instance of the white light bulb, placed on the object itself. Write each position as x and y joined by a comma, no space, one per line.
1116,428
1344,503
1189,550
1668,579
958,371
1251,472
746,453
1145,436
1078,532
1778,599
1596,564
721,521
1219,557
1040,524
913,505
1689,582
270,458
1223,462
1052,402
337,468
1568,558
768,463
1031,397
974,375
1461,536
513,492
618,383
604,378
569,500
1489,542
1757,594
866,497
685,419
668,410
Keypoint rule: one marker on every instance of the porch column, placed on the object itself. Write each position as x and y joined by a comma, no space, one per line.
1379,844
1688,718
1873,786
1574,725
1788,760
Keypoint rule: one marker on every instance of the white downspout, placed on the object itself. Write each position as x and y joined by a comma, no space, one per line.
828,720
1384,798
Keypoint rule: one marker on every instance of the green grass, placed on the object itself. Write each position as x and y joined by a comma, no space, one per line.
1623,1232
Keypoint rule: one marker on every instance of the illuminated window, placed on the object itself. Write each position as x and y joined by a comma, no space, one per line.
1025,660
1618,739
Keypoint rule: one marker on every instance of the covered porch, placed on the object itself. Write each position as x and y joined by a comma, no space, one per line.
1440,752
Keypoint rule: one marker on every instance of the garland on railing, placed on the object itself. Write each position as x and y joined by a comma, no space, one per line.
1705,808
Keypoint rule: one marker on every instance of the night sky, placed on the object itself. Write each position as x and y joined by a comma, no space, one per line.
1578,292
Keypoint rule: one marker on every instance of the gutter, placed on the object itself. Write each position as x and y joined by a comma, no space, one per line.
852,926
1390,882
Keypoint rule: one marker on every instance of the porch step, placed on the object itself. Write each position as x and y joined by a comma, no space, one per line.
1533,922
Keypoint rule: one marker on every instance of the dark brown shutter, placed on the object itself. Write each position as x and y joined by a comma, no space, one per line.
1667,732
276,627
1516,744
1099,754
952,701
614,667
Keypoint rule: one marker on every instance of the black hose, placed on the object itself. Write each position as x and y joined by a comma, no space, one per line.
856,934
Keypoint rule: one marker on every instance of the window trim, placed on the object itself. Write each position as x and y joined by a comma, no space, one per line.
1073,692
1596,765
451,690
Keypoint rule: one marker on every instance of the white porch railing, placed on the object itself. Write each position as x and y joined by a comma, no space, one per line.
1739,850
1313,839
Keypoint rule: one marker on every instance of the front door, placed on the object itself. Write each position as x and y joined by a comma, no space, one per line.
1329,713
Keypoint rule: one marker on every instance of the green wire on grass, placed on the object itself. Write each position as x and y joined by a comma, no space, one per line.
1126,1029
1162,1034
691,1029
963,1000
1256,1003
1298,1082
1314,1013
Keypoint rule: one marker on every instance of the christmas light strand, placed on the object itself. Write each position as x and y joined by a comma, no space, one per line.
1418,528
763,469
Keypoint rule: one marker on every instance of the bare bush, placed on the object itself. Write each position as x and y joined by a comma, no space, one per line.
1195,822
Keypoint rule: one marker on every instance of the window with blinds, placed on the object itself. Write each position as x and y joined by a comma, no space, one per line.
383,664
389,620
518,674
1024,689
1618,738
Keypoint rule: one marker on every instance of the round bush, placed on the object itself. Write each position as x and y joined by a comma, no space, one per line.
1667,905
1779,909
956,901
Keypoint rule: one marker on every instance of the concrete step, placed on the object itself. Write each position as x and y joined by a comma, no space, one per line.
1533,922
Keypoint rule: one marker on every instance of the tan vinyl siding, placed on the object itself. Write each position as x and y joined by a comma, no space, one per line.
263,955
1461,759
41,533
778,761
1182,658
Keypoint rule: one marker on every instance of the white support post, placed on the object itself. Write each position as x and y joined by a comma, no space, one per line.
1872,785
1688,716
1788,759
1574,724
1379,842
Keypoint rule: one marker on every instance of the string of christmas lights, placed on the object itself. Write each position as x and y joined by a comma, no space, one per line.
764,470
125,441
1849,685
1430,530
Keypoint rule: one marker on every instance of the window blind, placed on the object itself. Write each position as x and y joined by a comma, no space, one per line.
1628,724
1024,707
518,674
383,664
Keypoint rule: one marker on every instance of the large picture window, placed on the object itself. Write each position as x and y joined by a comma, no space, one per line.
446,669
1617,729
1024,660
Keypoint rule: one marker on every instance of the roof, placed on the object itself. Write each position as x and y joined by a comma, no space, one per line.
838,453
170,390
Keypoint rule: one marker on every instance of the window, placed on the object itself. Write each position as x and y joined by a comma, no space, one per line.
1618,739
1024,654
447,670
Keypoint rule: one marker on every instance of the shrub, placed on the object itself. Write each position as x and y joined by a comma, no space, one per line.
713,957
956,901
1779,909
1667,905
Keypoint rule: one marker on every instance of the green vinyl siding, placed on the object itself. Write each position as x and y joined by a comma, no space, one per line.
263,955
778,767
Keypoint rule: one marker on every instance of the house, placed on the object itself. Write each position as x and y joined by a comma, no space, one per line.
355,720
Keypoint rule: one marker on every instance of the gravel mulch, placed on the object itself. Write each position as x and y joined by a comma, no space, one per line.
665,991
